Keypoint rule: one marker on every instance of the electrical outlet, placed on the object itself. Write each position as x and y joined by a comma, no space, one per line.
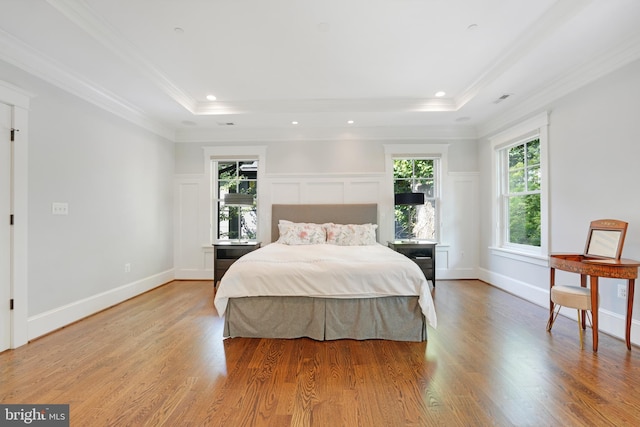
60,208
622,290
127,268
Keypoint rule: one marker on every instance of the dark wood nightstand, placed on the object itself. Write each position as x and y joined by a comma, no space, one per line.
225,253
422,253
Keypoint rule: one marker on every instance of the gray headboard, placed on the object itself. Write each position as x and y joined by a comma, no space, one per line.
320,214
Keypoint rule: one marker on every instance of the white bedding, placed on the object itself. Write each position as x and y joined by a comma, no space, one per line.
325,271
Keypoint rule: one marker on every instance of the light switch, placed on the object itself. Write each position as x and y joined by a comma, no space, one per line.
60,208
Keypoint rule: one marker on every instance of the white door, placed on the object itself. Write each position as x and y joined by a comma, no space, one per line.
5,228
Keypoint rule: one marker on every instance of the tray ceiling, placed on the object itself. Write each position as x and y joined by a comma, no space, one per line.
376,63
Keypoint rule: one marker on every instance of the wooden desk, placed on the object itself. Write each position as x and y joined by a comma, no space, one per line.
596,268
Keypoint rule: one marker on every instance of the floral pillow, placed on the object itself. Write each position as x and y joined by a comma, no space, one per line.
299,233
351,234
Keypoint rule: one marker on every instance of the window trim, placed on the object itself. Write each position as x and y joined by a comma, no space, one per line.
535,127
437,152
437,190
215,201
237,153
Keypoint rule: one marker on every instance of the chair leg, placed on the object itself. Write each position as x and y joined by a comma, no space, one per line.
580,329
552,318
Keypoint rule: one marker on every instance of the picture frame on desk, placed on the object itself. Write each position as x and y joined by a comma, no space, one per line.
605,239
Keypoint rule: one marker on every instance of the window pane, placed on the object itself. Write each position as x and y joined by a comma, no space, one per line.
423,168
248,170
404,221
402,168
425,186
415,175
224,187
226,170
533,152
235,222
516,181
402,186
425,225
533,178
524,219
516,157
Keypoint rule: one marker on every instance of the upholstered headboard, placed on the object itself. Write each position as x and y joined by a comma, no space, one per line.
320,214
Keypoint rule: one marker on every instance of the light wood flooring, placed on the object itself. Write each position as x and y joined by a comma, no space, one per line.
159,359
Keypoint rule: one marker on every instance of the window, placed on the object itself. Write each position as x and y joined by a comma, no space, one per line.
521,193
235,221
521,210
416,176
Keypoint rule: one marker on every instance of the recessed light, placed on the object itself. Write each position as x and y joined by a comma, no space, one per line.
472,27
350,122
463,119
178,30
211,97
440,94
294,122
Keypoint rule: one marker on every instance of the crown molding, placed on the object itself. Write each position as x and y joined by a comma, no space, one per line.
13,95
369,105
387,133
84,17
19,54
542,29
599,66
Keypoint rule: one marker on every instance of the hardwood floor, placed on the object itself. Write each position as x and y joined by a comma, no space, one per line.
159,359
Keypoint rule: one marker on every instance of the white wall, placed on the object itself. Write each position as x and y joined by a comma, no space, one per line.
594,151
338,170
118,182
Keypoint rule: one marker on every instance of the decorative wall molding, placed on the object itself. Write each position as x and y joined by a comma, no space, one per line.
191,227
83,16
590,71
21,55
456,259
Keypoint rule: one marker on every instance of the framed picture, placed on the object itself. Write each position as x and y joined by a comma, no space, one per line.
605,238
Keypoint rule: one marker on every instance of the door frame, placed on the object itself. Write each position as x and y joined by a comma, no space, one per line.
19,100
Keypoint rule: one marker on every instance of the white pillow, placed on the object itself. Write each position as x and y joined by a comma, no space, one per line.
351,234
300,233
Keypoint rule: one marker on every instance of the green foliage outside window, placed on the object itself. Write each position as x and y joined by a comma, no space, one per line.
523,194
235,222
415,176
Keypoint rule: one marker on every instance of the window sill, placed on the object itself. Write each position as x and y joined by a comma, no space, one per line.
536,259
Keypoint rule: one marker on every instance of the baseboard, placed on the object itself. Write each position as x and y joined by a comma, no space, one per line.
456,274
57,318
519,288
194,274
609,323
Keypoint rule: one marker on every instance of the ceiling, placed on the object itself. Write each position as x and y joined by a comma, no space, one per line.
320,63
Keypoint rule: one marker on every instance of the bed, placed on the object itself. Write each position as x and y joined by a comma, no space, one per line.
325,290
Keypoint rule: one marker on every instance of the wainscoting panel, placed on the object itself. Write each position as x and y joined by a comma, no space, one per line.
323,192
192,228
285,193
460,226
349,188
457,249
364,191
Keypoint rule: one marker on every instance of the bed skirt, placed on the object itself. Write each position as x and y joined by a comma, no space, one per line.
397,318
